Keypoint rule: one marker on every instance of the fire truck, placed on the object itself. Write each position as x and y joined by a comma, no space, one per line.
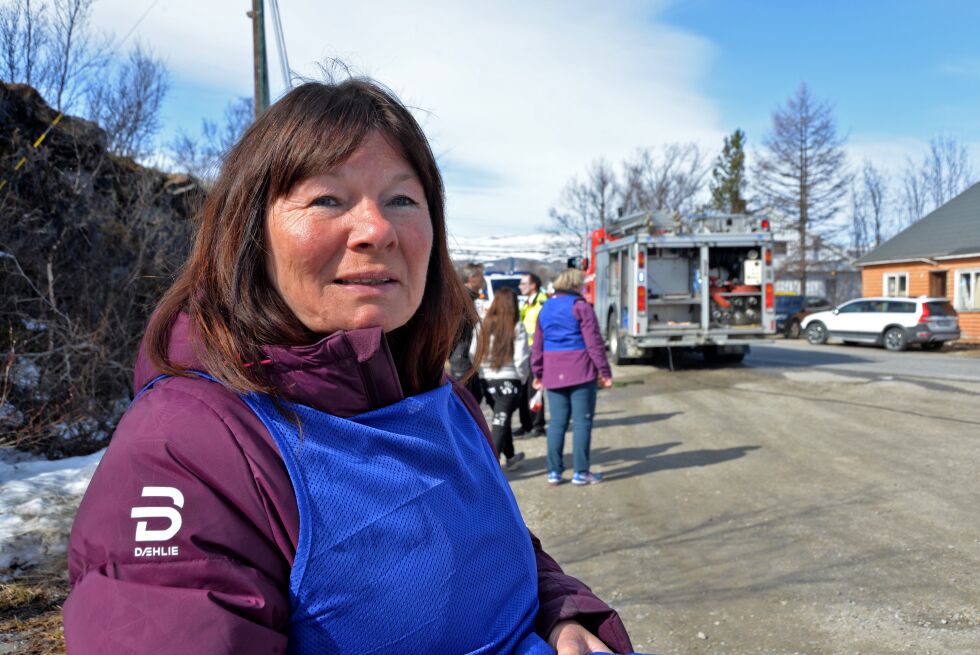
703,282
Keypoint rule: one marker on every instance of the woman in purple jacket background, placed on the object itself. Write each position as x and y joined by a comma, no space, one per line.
295,473
567,358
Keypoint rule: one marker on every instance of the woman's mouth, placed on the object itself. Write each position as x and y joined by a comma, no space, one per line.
366,281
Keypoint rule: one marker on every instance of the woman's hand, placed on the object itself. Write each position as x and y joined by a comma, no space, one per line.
536,383
605,383
570,638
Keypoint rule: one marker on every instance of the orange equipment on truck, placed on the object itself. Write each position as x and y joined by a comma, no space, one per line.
659,280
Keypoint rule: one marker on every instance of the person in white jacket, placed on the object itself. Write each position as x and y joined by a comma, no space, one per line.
499,348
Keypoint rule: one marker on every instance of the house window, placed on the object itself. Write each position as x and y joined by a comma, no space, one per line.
968,289
896,285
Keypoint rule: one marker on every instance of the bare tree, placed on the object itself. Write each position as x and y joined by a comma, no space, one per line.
584,206
668,180
24,41
127,105
869,194
944,172
201,155
51,46
859,220
800,171
75,53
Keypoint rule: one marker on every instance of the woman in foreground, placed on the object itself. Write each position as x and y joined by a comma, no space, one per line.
295,473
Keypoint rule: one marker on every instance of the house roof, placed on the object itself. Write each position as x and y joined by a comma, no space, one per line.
951,230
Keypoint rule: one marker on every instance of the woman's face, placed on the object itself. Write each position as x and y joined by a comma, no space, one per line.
349,248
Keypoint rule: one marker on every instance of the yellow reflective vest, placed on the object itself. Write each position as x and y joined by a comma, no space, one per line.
529,313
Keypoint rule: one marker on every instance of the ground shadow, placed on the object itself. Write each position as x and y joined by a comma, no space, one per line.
765,354
622,463
632,420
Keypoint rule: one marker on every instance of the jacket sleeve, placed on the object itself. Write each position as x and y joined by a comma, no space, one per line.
594,344
474,342
522,352
561,597
537,351
175,547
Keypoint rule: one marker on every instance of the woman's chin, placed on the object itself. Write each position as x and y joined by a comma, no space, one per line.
386,322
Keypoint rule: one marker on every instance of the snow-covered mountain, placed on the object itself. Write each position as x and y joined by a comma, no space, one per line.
540,247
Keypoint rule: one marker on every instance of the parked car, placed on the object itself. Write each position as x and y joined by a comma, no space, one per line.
791,310
891,322
495,281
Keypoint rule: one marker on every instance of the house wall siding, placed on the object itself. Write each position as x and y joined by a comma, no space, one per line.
872,284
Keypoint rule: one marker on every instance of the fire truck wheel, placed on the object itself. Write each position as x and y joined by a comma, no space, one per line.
612,338
793,330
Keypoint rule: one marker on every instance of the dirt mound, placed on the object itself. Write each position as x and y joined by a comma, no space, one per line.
88,242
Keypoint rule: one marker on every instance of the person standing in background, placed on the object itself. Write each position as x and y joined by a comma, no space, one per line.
532,423
500,350
460,363
567,357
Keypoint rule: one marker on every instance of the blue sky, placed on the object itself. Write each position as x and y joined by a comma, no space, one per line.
518,97
902,67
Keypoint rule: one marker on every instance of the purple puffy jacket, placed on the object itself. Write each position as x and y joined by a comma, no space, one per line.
185,539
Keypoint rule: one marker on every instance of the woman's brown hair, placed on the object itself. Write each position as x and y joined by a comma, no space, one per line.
233,306
497,332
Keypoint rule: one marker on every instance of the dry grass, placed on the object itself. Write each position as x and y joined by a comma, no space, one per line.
30,611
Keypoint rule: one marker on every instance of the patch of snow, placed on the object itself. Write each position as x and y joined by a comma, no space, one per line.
38,500
80,428
25,374
119,407
11,418
34,326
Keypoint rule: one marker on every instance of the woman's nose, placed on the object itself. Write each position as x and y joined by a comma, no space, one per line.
371,229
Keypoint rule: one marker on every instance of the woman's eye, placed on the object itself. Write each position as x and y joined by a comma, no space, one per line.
403,201
325,201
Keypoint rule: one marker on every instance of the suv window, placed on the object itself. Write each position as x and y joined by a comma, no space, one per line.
941,308
900,307
856,307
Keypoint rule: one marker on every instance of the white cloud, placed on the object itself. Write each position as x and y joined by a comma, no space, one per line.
527,93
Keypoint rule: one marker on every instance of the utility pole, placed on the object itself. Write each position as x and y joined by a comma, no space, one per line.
258,57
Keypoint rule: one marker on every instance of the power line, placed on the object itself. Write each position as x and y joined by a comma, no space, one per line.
281,44
137,24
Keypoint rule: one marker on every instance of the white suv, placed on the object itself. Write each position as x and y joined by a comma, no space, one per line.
891,322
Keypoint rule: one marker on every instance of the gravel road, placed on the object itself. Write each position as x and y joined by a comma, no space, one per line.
765,510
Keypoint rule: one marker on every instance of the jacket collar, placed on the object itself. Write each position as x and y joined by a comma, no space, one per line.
345,373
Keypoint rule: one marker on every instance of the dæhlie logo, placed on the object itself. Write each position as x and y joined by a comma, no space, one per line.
144,533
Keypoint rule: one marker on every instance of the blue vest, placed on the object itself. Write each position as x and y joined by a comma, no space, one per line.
561,329
410,538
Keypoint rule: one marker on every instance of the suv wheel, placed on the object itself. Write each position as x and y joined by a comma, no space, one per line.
816,333
895,339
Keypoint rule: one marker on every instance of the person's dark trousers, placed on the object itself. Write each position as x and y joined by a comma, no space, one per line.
578,404
530,421
506,394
